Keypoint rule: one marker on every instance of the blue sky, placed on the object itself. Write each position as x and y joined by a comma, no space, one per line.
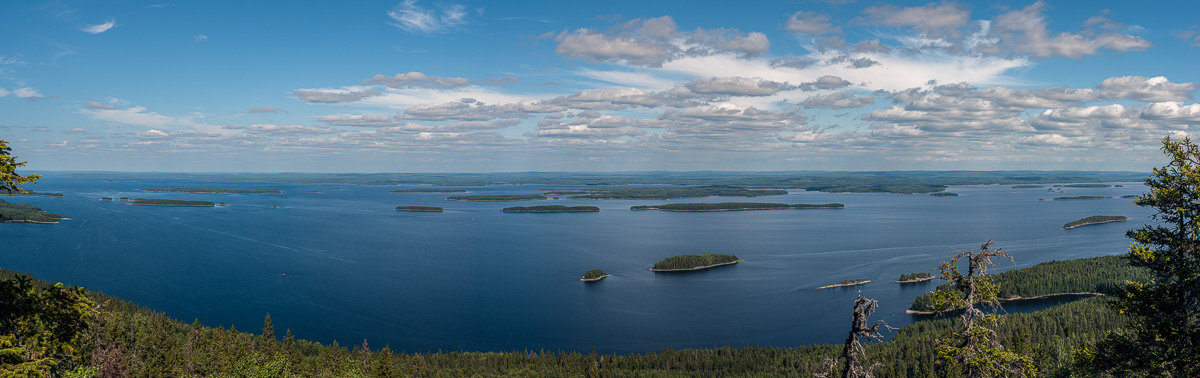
595,86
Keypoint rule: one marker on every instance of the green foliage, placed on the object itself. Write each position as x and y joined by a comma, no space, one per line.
1165,334
170,202
664,193
10,181
419,208
498,197
914,276
551,209
214,190
428,190
1095,219
1104,274
728,206
37,194
686,262
14,213
41,329
1077,198
594,274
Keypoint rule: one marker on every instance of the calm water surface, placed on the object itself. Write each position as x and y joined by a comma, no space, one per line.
342,265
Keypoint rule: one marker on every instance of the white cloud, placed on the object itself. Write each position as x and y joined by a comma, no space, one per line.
100,28
417,79
1025,31
416,19
810,23
1147,89
944,18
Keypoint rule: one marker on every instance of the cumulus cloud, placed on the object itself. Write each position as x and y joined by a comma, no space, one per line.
1025,31
333,96
825,82
837,100
367,120
97,105
944,18
651,42
737,86
266,109
1147,89
99,28
417,79
416,19
287,130
810,23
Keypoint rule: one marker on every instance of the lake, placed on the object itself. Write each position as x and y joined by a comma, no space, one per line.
340,264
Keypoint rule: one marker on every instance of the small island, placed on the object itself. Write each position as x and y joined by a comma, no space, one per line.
37,194
106,198
498,197
428,209
683,263
213,190
1083,186
124,199
594,275
18,213
735,206
551,209
1027,186
1077,198
428,190
170,202
944,194
1129,196
914,278
1095,219
846,283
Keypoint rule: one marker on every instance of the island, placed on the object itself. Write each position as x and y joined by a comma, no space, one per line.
1129,196
944,194
429,190
735,206
594,275
1083,186
428,209
170,202
213,190
551,209
37,194
19,213
1095,219
1027,186
914,278
106,198
668,192
846,283
497,197
1076,198
684,263
124,199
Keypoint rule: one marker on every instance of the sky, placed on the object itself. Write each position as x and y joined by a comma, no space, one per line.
431,86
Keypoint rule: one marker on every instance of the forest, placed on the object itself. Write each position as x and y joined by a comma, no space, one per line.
692,262
434,209
1077,198
170,202
1095,219
664,193
19,213
734,206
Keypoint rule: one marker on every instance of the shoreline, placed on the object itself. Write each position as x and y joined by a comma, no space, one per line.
1010,299
30,221
863,282
930,278
169,205
696,268
1094,223
594,279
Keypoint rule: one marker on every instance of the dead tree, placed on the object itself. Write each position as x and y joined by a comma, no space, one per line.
859,330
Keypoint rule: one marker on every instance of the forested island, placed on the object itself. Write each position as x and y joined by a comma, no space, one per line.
944,194
1083,186
1095,219
594,275
665,193
19,213
428,190
1027,186
914,278
1096,275
497,197
846,283
213,190
734,206
551,209
170,202
106,198
1077,198
694,262
432,209
37,194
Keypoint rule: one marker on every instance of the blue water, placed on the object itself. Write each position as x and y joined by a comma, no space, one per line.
342,265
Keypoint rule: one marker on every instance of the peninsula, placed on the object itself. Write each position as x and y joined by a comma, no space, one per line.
19,213
693,262
551,209
846,283
428,190
498,197
594,275
914,278
36,194
1095,219
170,202
428,209
213,190
735,206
